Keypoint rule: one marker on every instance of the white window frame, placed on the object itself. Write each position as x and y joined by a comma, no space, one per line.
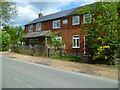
75,38
59,38
56,21
30,28
73,20
65,21
84,17
37,29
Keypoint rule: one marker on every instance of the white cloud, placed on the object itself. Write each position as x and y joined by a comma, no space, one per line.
28,11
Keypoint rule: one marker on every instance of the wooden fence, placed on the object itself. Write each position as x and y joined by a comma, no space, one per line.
30,50
40,50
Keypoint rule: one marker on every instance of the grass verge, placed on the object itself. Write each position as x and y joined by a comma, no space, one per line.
69,58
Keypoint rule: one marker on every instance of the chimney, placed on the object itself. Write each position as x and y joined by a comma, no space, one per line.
40,15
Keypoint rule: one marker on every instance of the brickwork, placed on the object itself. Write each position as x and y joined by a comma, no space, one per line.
67,31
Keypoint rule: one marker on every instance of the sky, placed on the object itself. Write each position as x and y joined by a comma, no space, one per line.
28,11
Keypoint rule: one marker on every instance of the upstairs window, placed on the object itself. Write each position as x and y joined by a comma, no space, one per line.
56,24
38,26
75,20
76,41
65,21
30,28
87,18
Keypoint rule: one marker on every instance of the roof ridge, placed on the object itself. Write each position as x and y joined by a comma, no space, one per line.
55,15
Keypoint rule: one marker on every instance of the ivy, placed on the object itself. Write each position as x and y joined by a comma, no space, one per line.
103,36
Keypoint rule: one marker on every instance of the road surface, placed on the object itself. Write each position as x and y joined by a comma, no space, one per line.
22,74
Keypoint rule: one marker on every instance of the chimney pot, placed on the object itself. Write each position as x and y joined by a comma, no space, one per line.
40,15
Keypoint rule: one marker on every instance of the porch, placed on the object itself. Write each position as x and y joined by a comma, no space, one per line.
36,38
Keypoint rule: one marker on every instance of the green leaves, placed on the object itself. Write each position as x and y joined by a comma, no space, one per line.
52,40
16,34
104,30
7,12
4,40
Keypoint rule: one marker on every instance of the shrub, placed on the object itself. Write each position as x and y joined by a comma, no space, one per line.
104,55
4,40
70,58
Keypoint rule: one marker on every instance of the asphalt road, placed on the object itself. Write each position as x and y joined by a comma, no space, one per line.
22,74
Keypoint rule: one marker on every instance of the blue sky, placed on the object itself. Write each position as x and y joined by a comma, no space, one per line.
28,11
73,5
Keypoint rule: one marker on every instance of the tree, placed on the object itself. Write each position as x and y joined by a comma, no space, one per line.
16,34
102,31
52,40
4,40
20,34
7,12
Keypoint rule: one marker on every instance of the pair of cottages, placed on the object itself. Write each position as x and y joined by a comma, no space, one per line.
67,23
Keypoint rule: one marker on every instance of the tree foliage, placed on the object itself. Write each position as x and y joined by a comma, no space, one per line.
7,12
102,31
4,40
16,34
53,42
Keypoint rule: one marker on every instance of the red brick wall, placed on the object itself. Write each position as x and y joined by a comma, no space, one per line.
67,31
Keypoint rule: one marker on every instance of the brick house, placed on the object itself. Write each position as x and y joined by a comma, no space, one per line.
67,23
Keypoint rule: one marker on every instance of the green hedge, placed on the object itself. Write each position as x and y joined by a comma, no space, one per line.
70,58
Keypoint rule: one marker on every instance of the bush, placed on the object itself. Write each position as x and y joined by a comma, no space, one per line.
104,55
70,58
4,40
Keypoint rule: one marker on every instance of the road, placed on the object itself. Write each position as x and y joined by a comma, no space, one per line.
22,74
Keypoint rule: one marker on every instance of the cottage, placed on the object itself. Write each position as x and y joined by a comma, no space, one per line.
67,23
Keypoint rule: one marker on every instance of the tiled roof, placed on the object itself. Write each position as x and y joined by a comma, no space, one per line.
55,15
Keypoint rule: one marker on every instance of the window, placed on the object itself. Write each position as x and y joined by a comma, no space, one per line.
30,28
76,41
65,21
33,42
36,41
76,20
87,18
56,24
38,26
59,38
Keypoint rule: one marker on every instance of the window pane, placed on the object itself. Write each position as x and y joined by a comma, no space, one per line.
76,36
87,18
31,42
30,27
77,42
65,21
36,41
76,20
74,43
56,24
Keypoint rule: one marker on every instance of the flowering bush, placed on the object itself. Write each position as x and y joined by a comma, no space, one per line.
102,55
103,31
